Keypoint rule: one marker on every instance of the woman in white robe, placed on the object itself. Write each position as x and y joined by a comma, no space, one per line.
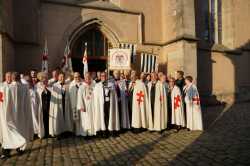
44,104
85,104
177,108
193,107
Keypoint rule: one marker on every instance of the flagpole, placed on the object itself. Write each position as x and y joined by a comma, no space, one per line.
45,57
108,63
85,60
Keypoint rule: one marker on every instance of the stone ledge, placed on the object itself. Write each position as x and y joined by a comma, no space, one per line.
227,98
221,48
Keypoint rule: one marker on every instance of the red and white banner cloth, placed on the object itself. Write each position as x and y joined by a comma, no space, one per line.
45,67
66,61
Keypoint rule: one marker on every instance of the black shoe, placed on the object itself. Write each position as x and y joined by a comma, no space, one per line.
105,134
114,134
4,157
19,151
35,137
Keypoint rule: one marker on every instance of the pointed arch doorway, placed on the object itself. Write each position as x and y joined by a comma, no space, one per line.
97,49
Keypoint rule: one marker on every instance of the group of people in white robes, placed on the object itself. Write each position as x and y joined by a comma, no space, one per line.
97,105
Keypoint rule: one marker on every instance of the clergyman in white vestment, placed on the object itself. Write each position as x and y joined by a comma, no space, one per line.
85,105
106,115
60,114
73,92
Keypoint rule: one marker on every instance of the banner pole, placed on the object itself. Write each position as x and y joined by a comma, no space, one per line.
108,62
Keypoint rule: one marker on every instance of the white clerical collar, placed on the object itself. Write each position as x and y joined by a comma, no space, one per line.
13,82
77,83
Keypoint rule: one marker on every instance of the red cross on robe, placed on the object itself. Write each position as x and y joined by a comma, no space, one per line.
196,100
1,97
140,97
45,57
177,102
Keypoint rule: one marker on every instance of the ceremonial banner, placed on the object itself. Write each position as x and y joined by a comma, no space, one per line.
85,60
119,59
45,67
66,61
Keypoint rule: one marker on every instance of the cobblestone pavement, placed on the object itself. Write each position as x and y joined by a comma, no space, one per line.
226,141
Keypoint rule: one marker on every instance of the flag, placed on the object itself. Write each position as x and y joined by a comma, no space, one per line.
148,63
66,61
85,60
45,58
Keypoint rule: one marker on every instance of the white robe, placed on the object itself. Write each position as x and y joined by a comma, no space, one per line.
10,138
73,93
193,108
178,116
22,110
99,122
41,130
51,82
23,81
125,121
86,102
59,123
140,110
160,107
37,114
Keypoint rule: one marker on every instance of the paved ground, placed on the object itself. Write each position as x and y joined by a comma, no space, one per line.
226,141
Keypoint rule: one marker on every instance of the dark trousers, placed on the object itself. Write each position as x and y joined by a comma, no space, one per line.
169,111
120,112
46,123
6,152
185,112
45,108
130,105
106,114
